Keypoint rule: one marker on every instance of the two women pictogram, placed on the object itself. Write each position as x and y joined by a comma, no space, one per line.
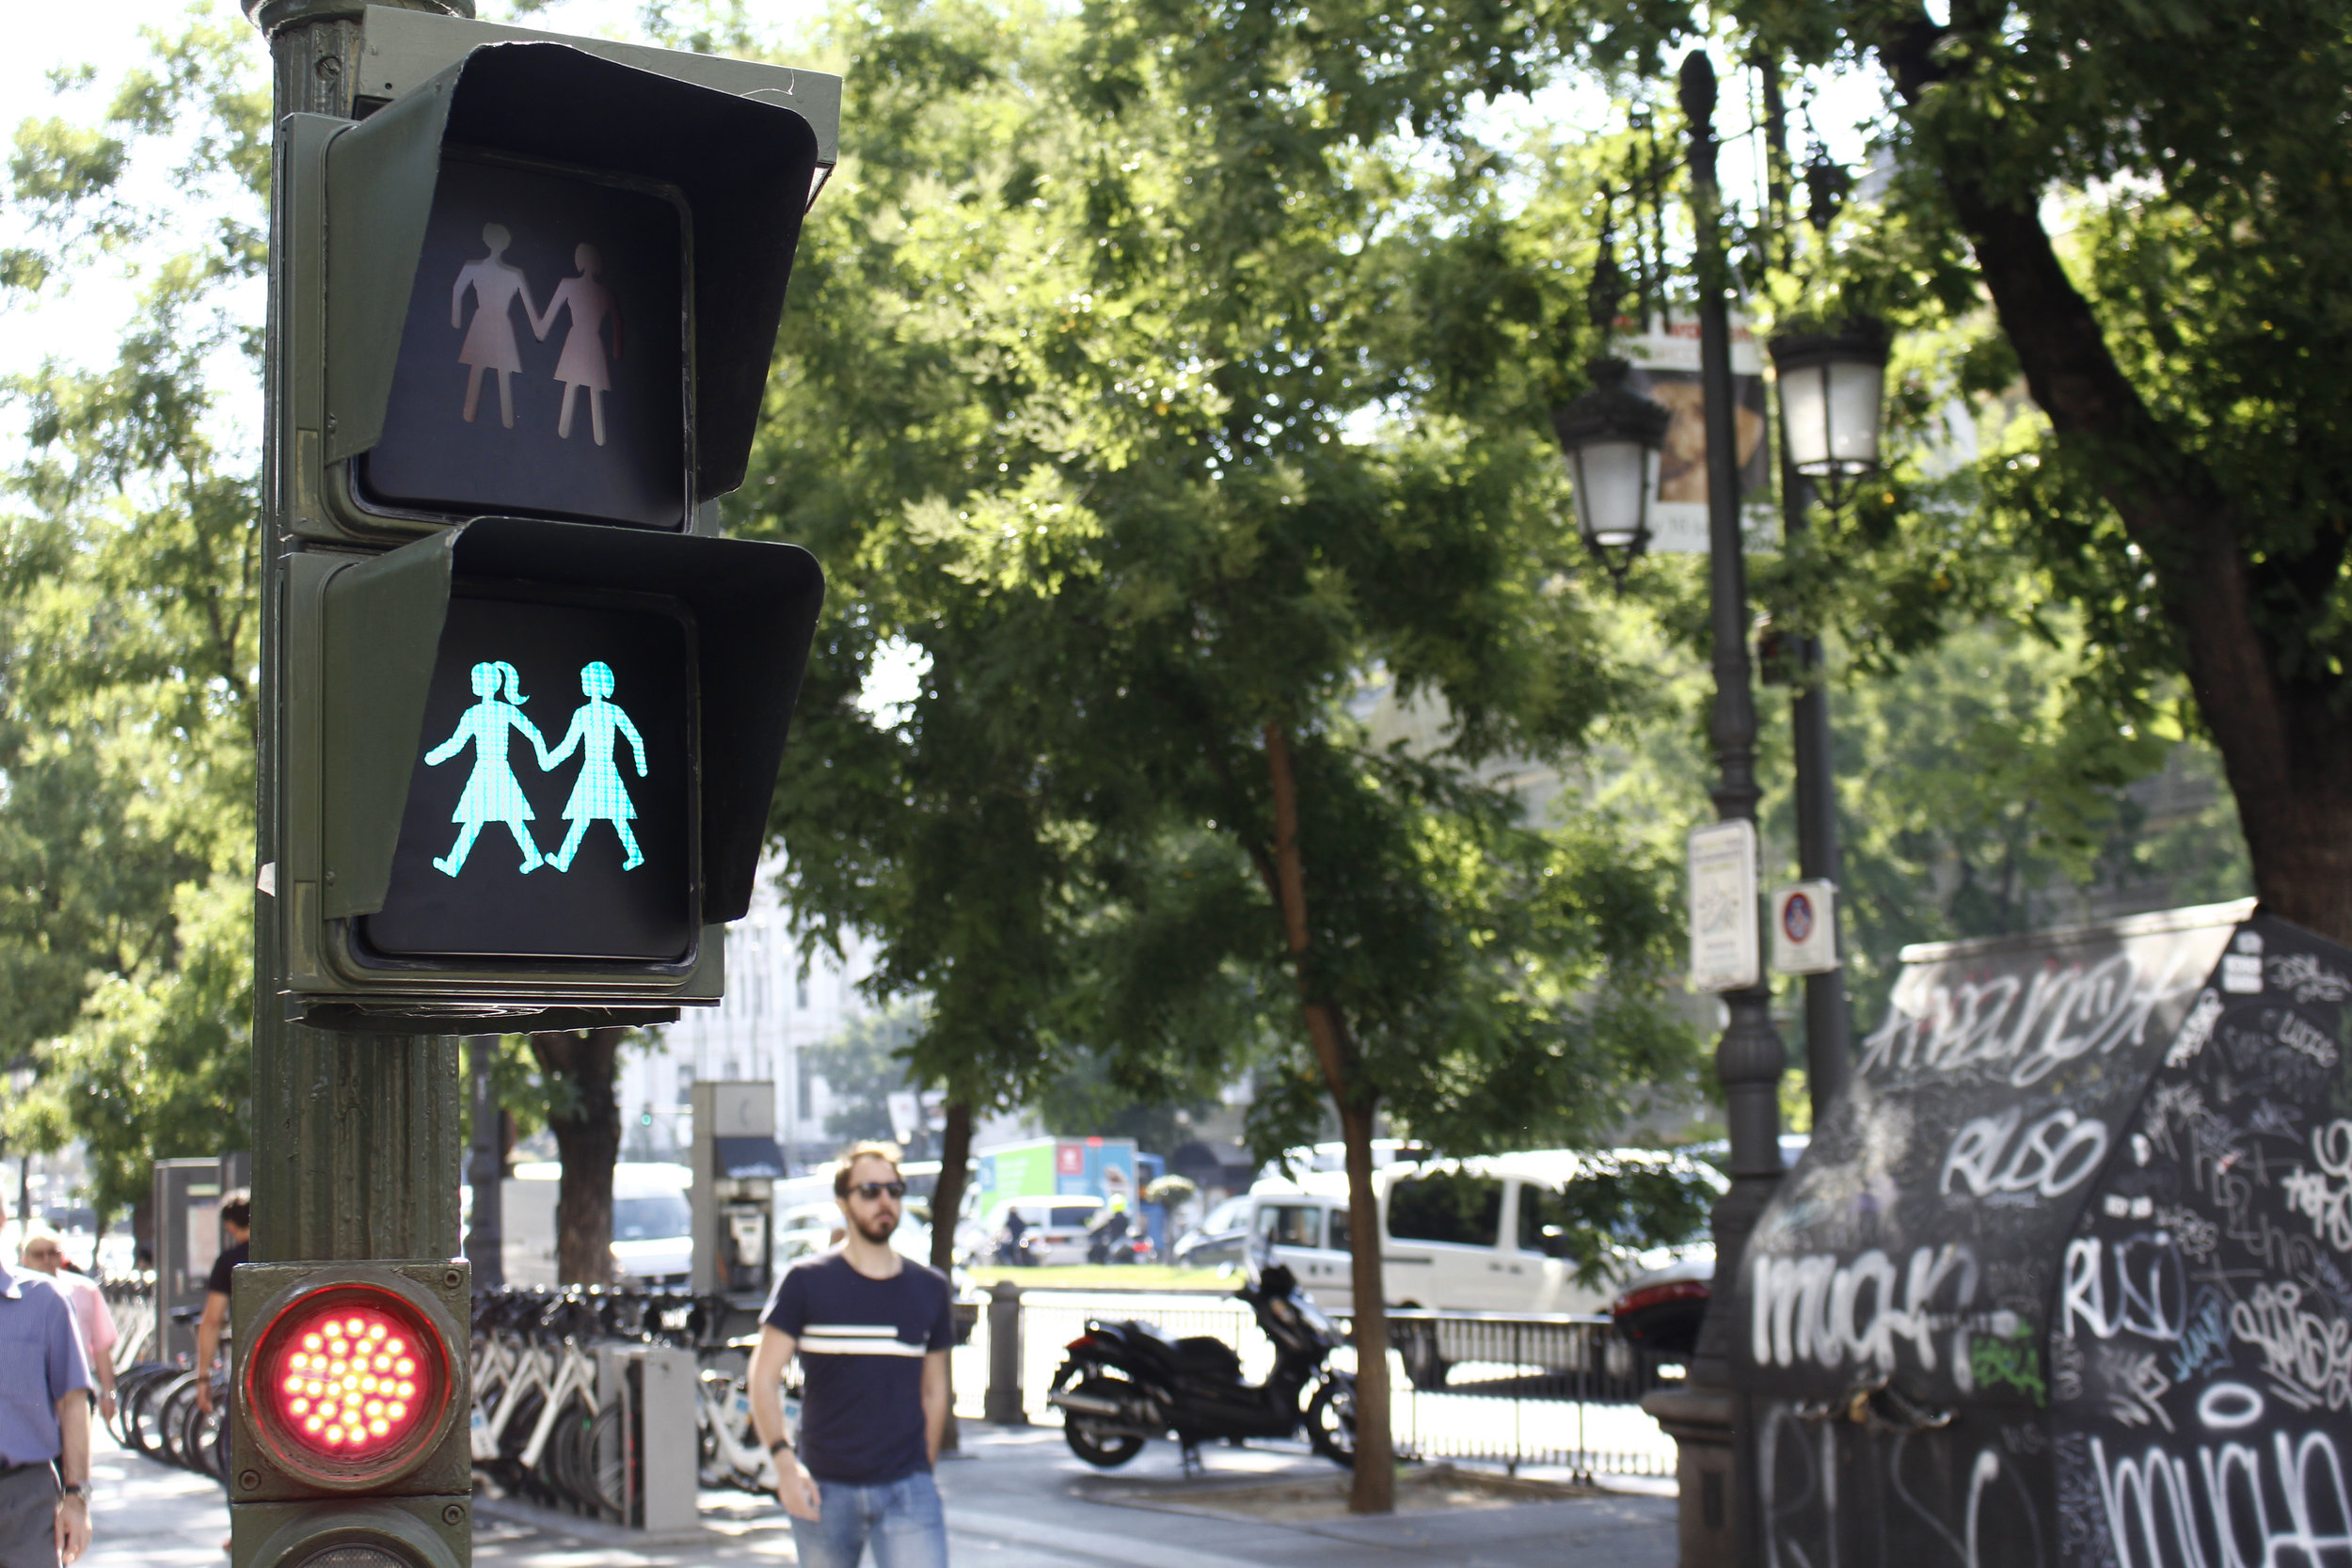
495,795
491,347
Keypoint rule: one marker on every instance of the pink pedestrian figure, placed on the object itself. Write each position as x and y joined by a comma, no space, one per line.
490,344
582,363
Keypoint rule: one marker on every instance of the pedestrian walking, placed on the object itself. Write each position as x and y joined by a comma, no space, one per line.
44,1253
872,1330
44,1424
236,1223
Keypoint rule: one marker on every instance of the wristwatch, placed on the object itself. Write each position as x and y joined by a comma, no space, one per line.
75,1490
779,1443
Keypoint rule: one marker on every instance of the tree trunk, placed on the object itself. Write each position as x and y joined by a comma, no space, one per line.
955,1174
585,1118
1374,1488
2283,744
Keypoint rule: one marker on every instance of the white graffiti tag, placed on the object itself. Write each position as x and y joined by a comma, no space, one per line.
2326,1197
2308,1356
2056,1153
1815,1308
2026,1029
2149,1295
2163,1510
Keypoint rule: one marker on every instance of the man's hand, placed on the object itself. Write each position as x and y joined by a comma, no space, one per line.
203,1396
106,1405
796,1489
72,1528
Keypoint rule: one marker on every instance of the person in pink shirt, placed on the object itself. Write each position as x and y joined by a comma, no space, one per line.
44,1253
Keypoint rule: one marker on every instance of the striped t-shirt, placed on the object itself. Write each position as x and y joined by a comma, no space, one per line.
862,1343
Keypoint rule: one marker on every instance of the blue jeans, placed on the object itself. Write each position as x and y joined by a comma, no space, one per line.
902,1519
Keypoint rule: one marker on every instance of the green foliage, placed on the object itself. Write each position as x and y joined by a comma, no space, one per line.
864,1066
127,668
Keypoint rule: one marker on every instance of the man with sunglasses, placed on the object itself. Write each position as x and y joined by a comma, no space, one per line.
872,1331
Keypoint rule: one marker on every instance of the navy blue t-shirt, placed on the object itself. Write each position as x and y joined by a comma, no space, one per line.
862,1343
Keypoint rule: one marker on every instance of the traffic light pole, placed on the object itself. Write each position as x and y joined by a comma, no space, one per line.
357,1153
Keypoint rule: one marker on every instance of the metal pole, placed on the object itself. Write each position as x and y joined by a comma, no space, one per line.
486,1243
1828,1026
355,1136
1707,1417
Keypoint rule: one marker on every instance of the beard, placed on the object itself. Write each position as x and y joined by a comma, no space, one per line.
878,1229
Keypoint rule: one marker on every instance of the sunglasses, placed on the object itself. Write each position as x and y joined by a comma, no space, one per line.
869,1190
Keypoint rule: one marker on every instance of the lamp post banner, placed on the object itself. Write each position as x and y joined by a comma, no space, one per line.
1664,356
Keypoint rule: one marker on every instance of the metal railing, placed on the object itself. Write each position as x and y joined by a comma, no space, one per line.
1551,1393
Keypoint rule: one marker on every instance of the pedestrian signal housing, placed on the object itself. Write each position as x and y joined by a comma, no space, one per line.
529,767
542,282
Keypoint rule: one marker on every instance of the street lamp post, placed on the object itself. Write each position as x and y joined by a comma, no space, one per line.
1832,385
1707,1417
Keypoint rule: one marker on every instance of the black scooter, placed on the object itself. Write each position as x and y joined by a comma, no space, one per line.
1127,1381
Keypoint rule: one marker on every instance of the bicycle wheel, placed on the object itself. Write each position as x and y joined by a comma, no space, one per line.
608,1469
141,1420
171,1424
130,1388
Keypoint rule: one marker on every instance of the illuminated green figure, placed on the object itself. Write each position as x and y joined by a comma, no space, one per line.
599,795
492,795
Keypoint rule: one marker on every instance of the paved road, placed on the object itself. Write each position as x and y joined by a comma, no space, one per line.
1021,1500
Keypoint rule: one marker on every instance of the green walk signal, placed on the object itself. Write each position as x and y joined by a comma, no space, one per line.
529,769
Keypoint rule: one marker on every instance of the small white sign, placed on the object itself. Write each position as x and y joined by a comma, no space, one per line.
906,1113
1805,928
1724,945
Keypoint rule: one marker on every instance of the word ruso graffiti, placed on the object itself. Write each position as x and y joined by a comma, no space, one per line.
2201,1349
2067,1277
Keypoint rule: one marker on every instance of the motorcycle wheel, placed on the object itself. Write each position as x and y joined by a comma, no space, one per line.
1104,1451
1331,1422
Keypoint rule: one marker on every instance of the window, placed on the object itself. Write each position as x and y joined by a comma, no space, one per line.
1341,1240
659,1217
1290,1224
1633,1206
1447,1206
1227,1215
1080,1214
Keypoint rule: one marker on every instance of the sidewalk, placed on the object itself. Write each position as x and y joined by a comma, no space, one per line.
1020,1500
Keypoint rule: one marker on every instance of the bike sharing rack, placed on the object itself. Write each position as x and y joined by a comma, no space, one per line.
2066,1278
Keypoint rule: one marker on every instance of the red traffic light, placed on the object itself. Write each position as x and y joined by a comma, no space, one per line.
348,1385
349,1380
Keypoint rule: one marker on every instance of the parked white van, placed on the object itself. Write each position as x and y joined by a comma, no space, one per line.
1482,1234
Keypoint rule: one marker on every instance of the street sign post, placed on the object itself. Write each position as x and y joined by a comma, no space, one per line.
523,707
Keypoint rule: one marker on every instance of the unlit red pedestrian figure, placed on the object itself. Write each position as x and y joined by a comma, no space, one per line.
491,345
583,365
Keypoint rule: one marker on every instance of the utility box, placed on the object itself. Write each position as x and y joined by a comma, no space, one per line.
736,1164
2064,1277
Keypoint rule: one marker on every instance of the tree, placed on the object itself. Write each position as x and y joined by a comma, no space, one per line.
578,1068
126,594
2183,490
864,1065
1065,407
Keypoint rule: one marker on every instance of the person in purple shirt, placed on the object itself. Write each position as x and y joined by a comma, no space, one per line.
44,1424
